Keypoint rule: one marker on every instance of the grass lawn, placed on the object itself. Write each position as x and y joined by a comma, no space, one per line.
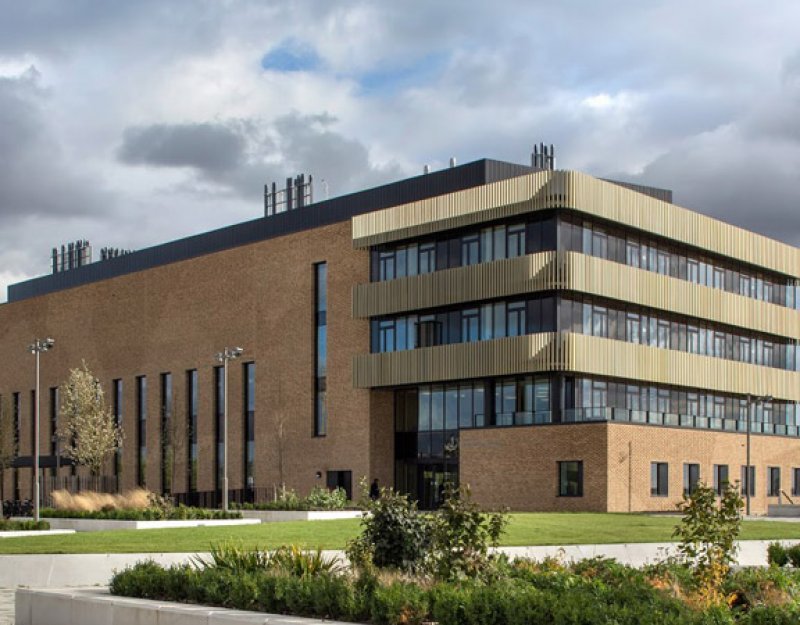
524,529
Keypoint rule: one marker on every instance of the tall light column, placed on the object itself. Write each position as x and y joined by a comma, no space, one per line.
36,348
226,355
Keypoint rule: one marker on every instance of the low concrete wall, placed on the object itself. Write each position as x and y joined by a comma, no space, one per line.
57,570
102,525
274,516
90,606
21,533
783,511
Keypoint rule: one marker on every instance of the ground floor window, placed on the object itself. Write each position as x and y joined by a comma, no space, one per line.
691,477
796,482
425,481
570,478
659,479
721,479
748,480
774,484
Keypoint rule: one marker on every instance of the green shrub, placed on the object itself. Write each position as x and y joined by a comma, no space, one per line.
777,555
399,604
393,535
324,499
23,526
144,514
793,554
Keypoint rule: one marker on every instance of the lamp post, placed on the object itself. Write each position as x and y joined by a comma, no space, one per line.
227,354
37,347
748,486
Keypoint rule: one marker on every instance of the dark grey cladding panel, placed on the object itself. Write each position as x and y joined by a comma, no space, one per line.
315,215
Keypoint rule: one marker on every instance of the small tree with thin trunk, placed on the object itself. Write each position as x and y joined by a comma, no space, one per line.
7,442
89,430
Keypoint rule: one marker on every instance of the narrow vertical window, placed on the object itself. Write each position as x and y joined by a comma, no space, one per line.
659,479
721,479
117,407
748,481
219,425
774,485
15,415
691,478
191,429
167,447
54,447
249,424
570,478
141,430
321,349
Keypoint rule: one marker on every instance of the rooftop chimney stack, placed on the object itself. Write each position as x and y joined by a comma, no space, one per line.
543,158
452,162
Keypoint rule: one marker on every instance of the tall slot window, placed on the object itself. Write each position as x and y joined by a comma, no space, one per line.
15,415
659,479
167,447
721,479
321,349
249,423
54,448
141,430
116,391
219,425
191,429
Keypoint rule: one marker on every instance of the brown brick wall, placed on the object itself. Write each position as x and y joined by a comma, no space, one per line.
176,317
631,449
517,467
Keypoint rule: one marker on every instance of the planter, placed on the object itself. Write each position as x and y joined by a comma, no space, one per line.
103,525
274,516
78,606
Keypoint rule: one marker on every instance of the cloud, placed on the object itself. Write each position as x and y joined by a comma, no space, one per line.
209,147
291,55
36,178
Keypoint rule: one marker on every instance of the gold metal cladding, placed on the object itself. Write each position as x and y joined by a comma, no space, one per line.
575,272
574,353
568,189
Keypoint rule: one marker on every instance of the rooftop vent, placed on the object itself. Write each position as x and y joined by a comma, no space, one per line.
71,256
542,158
296,194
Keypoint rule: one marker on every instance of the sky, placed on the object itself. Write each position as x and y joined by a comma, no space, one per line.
134,123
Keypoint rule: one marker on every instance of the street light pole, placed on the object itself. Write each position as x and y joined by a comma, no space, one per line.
227,354
36,348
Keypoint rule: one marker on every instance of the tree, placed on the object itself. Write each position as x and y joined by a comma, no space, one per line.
7,442
89,430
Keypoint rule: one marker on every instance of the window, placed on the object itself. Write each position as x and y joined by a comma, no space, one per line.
516,241
570,478
691,478
721,479
249,403
659,479
470,325
470,250
748,481
54,447
386,333
16,417
219,425
191,429
427,258
141,430
774,484
796,482
516,325
167,449
321,351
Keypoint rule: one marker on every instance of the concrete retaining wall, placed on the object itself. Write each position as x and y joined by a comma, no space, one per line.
274,516
94,606
102,525
22,533
783,511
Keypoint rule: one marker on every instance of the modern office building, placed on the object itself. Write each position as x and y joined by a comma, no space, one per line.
557,341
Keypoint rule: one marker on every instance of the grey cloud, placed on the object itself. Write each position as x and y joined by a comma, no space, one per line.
209,147
36,177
